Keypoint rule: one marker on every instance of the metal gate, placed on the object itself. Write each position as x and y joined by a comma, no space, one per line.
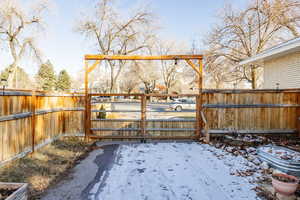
143,116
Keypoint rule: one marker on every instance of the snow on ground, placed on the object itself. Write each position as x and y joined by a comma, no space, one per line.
176,171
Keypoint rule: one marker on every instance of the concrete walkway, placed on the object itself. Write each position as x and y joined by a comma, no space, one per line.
83,177
177,171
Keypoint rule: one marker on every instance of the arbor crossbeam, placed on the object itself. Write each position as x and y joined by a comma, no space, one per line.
137,57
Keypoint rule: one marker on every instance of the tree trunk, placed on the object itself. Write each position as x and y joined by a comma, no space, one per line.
253,77
13,75
167,92
217,85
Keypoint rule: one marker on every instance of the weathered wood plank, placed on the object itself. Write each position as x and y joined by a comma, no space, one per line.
260,132
251,106
129,57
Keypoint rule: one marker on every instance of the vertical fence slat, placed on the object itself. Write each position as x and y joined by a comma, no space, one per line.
33,127
298,115
143,115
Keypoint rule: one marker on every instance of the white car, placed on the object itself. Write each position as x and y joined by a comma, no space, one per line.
180,104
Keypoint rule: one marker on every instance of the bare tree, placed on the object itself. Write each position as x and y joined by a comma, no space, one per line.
219,72
216,72
147,74
16,22
113,33
287,14
169,70
245,33
129,82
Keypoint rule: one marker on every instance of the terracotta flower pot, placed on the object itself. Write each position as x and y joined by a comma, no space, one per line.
285,188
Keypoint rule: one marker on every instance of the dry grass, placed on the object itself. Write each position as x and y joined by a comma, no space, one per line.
45,166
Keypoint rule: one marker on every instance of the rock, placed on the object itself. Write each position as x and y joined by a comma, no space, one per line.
229,149
256,161
251,150
242,152
265,165
283,197
251,158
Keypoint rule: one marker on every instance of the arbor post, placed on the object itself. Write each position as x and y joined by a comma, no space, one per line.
200,100
298,116
86,102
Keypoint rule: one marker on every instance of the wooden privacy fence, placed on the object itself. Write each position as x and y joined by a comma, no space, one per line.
252,111
28,120
217,111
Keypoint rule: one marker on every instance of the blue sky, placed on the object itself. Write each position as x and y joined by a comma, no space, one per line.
182,20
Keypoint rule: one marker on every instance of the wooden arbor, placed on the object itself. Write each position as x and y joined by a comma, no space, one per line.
198,68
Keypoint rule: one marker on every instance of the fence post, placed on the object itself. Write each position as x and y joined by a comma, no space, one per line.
198,117
298,116
88,116
200,99
86,101
143,115
298,122
33,110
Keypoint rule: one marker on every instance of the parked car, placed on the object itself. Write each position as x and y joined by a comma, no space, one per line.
180,104
97,99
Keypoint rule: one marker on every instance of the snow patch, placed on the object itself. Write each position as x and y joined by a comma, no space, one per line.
176,171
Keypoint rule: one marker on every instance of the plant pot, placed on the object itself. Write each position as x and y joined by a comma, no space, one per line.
285,188
14,191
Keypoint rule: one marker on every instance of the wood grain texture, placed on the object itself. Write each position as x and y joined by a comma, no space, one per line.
19,130
134,57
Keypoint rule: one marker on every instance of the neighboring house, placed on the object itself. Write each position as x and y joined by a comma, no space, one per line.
281,65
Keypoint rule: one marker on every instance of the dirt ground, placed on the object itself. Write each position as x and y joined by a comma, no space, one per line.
47,165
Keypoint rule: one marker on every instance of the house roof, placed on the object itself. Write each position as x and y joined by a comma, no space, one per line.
290,46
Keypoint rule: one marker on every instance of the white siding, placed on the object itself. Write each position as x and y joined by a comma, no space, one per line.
284,70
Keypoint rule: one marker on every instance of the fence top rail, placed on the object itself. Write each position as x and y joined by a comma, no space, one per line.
171,95
250,90
21,92
205,91
141,94
115,94
10,92
147,120
37,91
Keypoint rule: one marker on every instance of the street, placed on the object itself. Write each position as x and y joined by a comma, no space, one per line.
154,110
